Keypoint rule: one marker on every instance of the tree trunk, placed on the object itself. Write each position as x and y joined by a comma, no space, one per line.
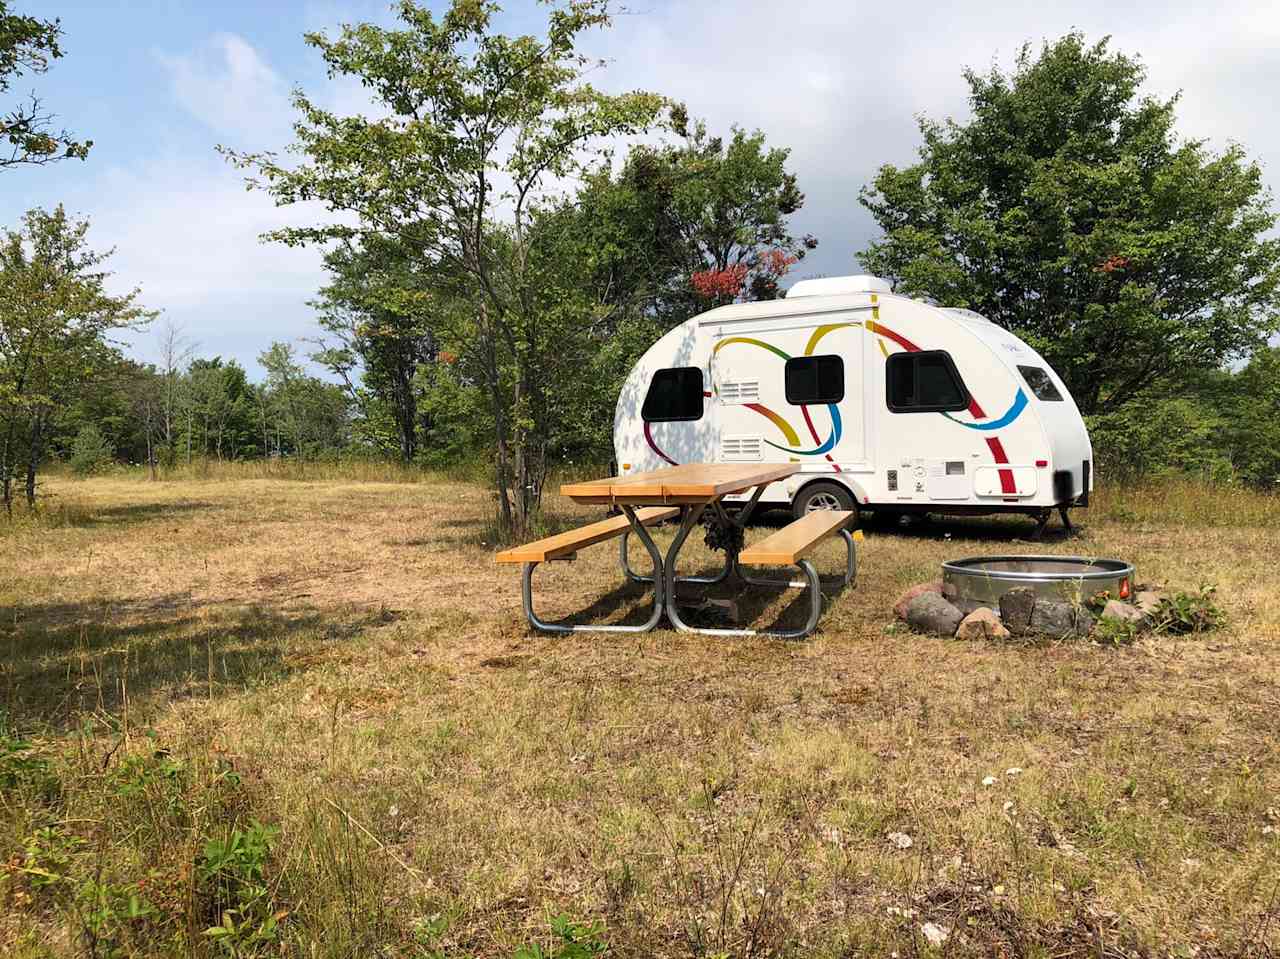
6,470
502,463
33,456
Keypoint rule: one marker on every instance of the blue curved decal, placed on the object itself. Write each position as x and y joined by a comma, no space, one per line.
1014,411
826,447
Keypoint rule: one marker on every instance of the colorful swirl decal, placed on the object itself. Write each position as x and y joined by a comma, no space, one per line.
1011,414
1007,483
824,447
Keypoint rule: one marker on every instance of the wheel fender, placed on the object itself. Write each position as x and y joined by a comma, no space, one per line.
859,492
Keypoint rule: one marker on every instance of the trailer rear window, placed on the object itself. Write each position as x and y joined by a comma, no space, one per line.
1040,383
925,382
814,379
674,395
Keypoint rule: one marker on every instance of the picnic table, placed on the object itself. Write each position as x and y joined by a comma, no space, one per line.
685,493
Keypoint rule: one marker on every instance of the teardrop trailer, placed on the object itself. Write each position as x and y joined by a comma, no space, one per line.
888,404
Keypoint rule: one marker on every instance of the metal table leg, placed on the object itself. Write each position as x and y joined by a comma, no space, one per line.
659,590
810,581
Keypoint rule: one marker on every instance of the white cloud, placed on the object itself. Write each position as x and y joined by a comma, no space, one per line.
187,232
841,82
230,88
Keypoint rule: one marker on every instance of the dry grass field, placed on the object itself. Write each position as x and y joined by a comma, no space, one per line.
309,713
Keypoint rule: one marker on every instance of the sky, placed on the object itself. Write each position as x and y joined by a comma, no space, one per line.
158,84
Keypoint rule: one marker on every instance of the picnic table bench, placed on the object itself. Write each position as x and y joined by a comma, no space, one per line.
687,491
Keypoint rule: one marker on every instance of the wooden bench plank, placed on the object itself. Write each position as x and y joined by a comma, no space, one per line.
570,541
790,544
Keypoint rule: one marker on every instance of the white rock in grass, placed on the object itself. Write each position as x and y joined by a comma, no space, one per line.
900,839
1013,771
935,934
989,781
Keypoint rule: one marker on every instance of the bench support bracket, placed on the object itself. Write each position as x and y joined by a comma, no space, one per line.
657,579
688,522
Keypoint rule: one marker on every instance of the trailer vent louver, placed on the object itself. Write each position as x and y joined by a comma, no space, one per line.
741,391
741,449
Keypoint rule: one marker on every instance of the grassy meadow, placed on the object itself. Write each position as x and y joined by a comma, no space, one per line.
245,713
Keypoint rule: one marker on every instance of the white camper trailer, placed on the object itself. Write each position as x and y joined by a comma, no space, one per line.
888,403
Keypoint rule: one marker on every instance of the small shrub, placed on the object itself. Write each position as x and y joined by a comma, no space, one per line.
90,452
1189,612
48,857
22,768
111,916
232,874
570,940
1114,632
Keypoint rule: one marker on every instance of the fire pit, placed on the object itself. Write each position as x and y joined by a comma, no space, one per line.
982,580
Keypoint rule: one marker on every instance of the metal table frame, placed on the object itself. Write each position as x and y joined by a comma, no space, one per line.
664,579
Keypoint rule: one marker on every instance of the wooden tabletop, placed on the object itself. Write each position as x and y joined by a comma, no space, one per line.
687,483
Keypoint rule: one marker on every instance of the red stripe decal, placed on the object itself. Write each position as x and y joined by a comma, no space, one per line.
814,433
648,435
1007,485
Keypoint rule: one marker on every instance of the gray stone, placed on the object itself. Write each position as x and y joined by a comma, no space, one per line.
1122,612
900,607
1060,620
930,613
1016,607
982,623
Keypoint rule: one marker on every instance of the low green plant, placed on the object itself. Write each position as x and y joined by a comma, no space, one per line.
22,767
570,940
1189,612
48,857
232,874
1114,632
110,915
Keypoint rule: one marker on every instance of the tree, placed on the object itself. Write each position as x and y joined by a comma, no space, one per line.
26,46
1068,211
679,227
222,408
687,224
307,415
380,327
479,127
175,353
55,317
1251,419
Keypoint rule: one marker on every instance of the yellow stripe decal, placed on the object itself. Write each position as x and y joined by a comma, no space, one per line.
822,331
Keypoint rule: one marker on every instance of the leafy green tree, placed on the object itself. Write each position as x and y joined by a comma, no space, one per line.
682,223
55,318
221,413
478,128
678,228
380,328
1068,210
301,415
27,44
90,451
1251,425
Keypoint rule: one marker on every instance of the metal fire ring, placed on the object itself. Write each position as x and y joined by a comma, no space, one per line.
982,580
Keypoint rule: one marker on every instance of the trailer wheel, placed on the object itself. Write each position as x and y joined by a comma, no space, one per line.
823,495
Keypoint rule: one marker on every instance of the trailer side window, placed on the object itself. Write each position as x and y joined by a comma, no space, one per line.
814,379
1040,383
674,395
925,382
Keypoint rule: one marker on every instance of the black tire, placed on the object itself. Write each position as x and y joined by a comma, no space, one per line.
823,495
